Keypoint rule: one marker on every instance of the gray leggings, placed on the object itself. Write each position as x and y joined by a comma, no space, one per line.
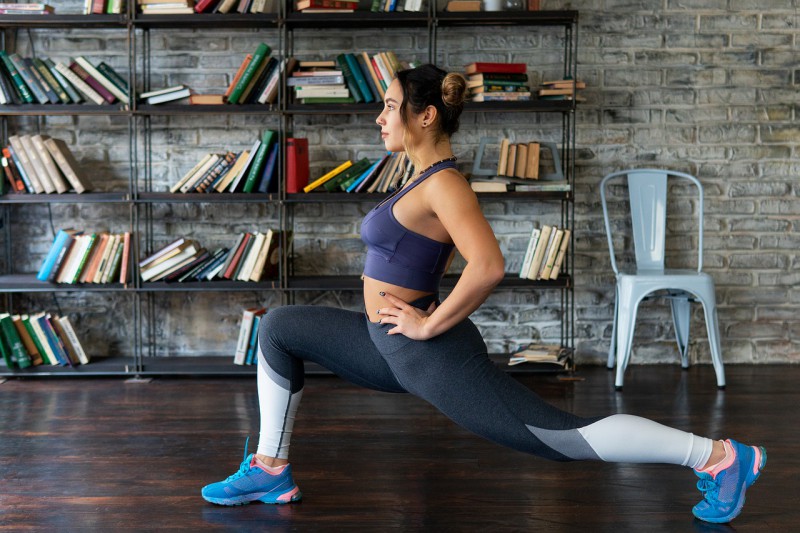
451,371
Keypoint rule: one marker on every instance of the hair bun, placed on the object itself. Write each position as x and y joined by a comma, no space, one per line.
454,90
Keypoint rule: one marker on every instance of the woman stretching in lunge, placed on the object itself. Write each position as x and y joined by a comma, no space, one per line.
406,341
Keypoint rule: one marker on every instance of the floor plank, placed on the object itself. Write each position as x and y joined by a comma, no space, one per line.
106,455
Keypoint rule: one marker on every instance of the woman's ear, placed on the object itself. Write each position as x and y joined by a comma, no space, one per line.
429,116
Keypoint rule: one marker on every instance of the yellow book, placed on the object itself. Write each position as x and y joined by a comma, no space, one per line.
326,177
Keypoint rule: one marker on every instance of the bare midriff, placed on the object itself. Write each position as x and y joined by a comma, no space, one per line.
374,301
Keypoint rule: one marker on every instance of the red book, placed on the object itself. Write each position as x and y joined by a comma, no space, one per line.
326,4
296,164
98,7
237,257
202,5
93,83
507,68
17,184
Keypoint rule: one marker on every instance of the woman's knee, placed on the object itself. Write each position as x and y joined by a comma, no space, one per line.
275,325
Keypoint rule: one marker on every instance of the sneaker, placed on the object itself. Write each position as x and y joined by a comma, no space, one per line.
723,495
253,483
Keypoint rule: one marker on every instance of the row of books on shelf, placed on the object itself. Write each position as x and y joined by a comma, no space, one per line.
43,81
349,78
40,164
40,338
249,171
78,257
552,354
388,173
247,342
565,89
11,8
544,256
253,257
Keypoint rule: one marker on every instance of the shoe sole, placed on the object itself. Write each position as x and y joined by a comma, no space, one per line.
294,495
748,483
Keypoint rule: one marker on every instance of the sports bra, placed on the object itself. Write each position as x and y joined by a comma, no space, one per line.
398,255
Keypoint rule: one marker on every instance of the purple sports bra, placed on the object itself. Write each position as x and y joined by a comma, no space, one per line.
398,255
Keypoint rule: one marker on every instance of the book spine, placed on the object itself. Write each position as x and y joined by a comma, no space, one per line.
267,178
258,162
66,325
51,80
49,92
93,83
113,76
18,352
23,90
36,165
26,322
28,78
361,80
244,337
350,79
262,51
296,164
102,80
30,183
73,94
79,84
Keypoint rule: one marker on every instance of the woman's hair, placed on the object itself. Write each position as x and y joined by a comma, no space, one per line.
428,85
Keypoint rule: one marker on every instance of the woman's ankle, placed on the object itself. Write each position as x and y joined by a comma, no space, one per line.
271,461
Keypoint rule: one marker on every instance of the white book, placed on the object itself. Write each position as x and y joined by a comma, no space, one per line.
250,260
526,263
70,263
550,256
101,79
169,97
192,181
245,330
215,272
81,85
158,92
243,171
66,325
546,253
175,188
261,259
562,251
187,252
36,164
49,165
533,271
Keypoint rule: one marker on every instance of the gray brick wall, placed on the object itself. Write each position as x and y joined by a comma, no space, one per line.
705,87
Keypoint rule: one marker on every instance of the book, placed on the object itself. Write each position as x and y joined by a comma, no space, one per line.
8,151
325,177
236,256
349,78
325,4
49,91
67,164
102,80
463,5
113,76
27,341
10,338
259,160
245,329
192,180
183,252
161,252
540,353
260,55
88,92
23,90
562,252
495,68
27,76
169,96
501,97
74,96
532,163
72,337
36,164
93,261
15,181
206,99
48,163
538,254
261,259
252,348
361,79
232,253
52,82
250,256
267,182
92,82
35,322
297,165
521,160
236,169
529,251
26,321
550,256
57,248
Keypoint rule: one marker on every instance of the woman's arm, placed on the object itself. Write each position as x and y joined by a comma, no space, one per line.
454,203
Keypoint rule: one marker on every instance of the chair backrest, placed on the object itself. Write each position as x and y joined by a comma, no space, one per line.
647,190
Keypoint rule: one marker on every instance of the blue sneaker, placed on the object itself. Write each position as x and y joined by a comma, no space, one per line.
253,483
723,495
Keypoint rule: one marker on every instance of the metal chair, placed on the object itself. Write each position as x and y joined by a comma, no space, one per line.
647,194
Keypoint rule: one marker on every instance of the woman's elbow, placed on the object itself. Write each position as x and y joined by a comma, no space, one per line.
494,271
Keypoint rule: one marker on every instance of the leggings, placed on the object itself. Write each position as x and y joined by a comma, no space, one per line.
454,373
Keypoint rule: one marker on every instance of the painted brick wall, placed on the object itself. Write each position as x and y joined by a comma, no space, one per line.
707,87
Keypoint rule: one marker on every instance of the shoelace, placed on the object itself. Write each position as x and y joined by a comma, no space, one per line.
709,487
244,467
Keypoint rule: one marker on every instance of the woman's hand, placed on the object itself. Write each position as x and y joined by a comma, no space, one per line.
408,320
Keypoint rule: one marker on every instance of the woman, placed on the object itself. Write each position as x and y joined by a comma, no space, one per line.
406,341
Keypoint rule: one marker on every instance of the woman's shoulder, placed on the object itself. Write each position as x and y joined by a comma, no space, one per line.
447,178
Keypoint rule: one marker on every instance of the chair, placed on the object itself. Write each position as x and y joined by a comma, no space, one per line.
647,193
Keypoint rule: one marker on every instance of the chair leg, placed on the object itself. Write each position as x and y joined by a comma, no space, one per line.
712,325
612,350
626,321
681,309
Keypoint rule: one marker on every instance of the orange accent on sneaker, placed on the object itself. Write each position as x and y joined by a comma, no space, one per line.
289,495
271,470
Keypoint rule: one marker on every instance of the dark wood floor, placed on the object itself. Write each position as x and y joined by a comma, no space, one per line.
108,455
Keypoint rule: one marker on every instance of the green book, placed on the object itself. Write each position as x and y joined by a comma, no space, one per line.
363,86
259,56
12,341
26,321
113,77
349,78
258,161
16,77
355,169
67,86
51,81
328,100
30,81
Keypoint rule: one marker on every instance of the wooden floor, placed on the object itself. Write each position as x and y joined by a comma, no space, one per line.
109,455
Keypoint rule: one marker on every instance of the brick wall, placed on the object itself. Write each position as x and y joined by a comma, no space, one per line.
707,87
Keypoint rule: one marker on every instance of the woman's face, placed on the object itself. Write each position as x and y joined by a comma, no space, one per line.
390,121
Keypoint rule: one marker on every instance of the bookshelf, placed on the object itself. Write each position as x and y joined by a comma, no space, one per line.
141,201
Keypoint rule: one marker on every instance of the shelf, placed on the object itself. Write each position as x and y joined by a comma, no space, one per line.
334,109
64,21
202,198
358,19
539,106
507,18
66,198
187,109
29,283
98,366
210,286
207,20
354,283
62,109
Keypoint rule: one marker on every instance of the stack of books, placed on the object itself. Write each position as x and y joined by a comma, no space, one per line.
166,7
40,338
389,6
492,82
325,6
168,94
256,80
41,164
388,173
350,78
248,171
26,9
540,353
253,257
565,89
247,344
78,257
544,257
100,7
42,81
